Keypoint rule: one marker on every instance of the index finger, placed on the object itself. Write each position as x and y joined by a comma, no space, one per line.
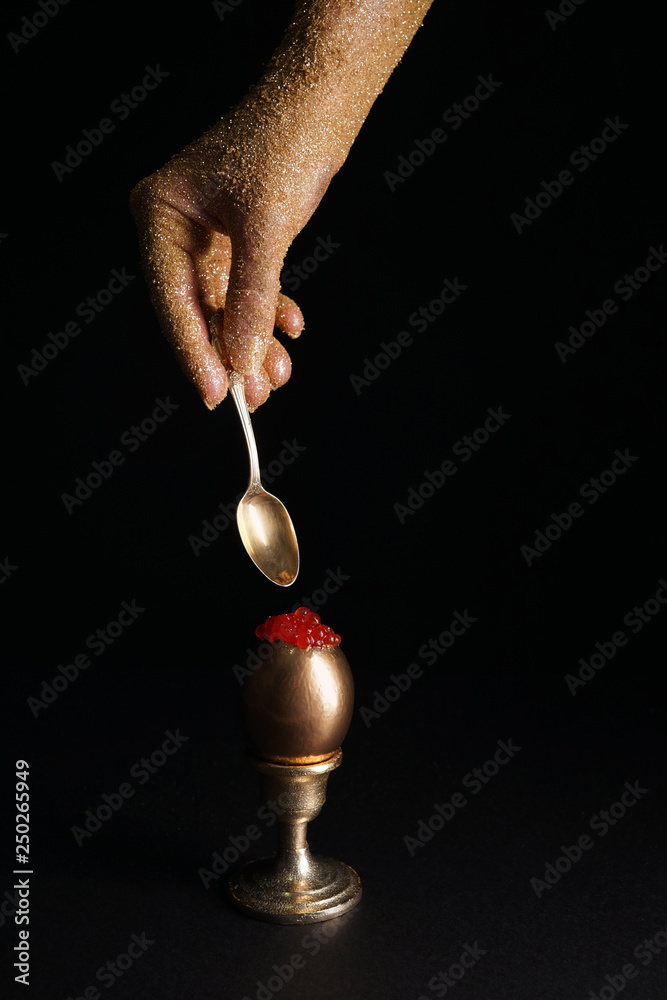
167,241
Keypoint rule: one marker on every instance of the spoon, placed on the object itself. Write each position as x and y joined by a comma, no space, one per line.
265,527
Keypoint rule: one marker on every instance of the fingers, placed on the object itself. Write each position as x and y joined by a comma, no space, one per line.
252,298
186,268
166,237
257,389
277,364
275,372
276,367
289,317
185,328
212,267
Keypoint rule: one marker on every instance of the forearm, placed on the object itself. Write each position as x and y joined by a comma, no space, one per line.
301,118
334,60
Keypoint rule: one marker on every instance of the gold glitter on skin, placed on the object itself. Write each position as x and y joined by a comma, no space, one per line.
216,221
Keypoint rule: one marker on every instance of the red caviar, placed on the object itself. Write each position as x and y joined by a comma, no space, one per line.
303,629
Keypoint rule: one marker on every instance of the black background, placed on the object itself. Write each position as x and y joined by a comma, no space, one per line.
400,580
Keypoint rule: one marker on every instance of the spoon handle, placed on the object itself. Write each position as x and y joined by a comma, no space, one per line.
235,382
238,395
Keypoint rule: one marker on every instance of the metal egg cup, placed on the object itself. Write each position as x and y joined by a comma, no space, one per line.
298,706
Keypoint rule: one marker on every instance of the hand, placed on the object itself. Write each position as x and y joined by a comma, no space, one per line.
215,224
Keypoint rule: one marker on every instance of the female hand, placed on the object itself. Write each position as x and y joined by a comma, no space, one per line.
216,222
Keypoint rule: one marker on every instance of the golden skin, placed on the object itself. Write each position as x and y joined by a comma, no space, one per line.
216,221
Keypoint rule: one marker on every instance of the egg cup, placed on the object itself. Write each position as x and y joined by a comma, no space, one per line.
298,707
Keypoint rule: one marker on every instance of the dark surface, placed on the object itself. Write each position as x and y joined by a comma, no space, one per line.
397,585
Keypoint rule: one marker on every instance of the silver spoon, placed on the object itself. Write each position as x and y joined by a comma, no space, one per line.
265,527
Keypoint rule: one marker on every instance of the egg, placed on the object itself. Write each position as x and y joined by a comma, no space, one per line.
298,704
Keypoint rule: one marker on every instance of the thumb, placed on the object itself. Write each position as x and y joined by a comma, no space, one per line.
250,306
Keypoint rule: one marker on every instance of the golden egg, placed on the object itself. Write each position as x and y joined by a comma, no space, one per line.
298,704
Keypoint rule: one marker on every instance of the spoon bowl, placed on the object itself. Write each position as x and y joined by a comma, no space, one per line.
265,527
268,535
